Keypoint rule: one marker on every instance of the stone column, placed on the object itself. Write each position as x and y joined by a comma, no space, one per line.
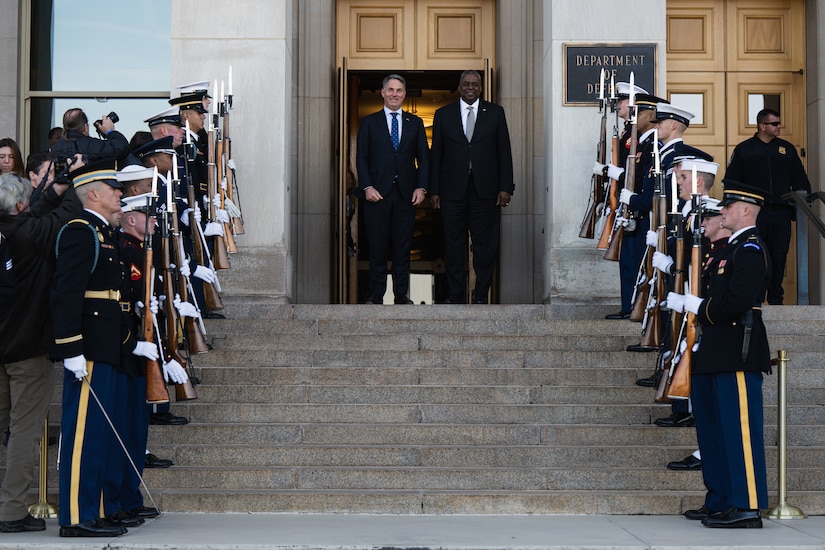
8,68
572,266
208,36
518,77
815,70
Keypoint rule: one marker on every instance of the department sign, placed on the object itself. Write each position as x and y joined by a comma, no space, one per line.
583,64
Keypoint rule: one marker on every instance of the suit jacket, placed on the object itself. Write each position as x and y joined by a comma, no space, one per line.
378,163
91,326
489,151
736,280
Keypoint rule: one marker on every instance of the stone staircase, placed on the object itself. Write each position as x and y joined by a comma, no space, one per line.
453,409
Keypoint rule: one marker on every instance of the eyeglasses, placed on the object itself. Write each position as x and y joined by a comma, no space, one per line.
775,123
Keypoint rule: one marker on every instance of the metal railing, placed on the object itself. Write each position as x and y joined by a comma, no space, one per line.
804,205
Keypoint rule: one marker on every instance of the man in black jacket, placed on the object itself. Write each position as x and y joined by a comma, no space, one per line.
471,181
772,164
76,139
26,373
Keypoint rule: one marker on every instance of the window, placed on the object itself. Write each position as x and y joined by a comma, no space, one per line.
98,55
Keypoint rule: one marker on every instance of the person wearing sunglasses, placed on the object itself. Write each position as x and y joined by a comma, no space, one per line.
773,165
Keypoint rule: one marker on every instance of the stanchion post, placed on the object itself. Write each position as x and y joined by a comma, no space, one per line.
783,510
42,509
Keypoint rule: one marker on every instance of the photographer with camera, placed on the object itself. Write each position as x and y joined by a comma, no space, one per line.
26,372
76,139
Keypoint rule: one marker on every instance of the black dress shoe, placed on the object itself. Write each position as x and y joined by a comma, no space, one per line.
375,299
690,462
213,315
123,519
639,347
619,315
735,519
151,461
480,301
167,419
144,512
454,301
28,523
403,300
700,513
676,420
649,382
92,528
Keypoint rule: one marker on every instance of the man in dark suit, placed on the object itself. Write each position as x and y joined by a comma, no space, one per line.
390,144
471,180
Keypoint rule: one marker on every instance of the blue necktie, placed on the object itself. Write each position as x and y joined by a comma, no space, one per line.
394,131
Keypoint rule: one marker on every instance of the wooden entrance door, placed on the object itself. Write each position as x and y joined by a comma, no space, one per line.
726,60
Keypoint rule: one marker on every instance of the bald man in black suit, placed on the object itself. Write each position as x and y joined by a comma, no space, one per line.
393,165
471,179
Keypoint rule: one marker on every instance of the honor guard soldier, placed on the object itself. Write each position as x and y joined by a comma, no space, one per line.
89,331
728,367
639,204
167,123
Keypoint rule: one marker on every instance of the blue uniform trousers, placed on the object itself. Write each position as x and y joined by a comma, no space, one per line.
630,258
730,431
121,490
85,437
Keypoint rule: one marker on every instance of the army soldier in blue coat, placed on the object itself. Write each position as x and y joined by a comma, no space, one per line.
726,379
89,331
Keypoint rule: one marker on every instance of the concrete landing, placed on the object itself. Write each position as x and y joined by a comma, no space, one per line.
385,532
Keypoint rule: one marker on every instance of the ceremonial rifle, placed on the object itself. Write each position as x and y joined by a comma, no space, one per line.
588,225
229,190
676,325
175,331
221,257
652,337
200,252
611,199
615,241
680,383
156,391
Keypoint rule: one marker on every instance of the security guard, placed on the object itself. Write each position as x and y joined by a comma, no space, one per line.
726,380
89,331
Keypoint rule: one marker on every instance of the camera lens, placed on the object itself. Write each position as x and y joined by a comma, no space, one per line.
114,118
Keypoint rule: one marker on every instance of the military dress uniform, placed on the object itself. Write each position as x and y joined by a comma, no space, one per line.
726,379
87,319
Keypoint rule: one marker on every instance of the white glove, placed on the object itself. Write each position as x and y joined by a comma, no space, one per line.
662,262
216,198
614,172
213,229
222,215
77,365
175,372
692,303
682,346
185,309
154,306
184,268
146,349
598,168
675,302
625,196
198,216
231,164
652,239
223,183
231,208
184,217
627,223
205,274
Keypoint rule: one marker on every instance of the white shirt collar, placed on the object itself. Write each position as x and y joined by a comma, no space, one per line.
732,237
104,220
474,105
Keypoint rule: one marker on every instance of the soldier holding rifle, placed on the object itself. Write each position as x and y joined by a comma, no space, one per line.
728,367
89,332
